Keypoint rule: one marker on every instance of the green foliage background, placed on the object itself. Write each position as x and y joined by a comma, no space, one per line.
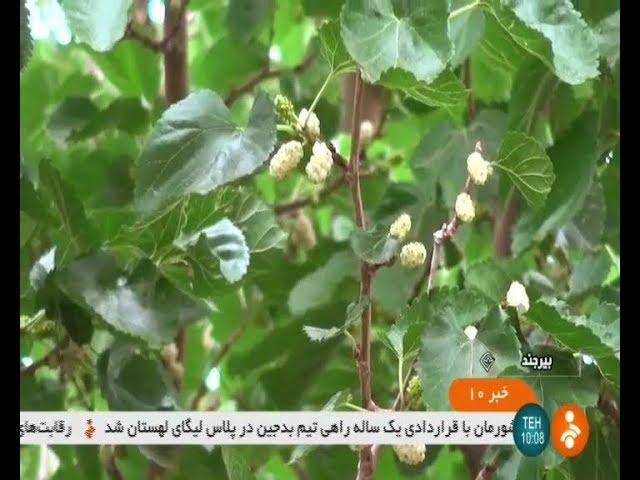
137,221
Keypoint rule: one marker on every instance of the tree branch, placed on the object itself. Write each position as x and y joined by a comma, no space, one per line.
31,369
224,350
266,73
151,43
311,199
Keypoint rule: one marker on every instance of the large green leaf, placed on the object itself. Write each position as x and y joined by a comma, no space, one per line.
533,86
130,381
318,288
466,29
587,227
332,48
578,338
318,334
100,23
74,233
447,353
133,69
553,31
608,31
604,321
589,273
246,17
196,148
525,162
394,34
574,159
144,304
237,463
446,91
443,151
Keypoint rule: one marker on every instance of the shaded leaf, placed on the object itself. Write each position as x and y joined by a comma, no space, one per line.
130,381
589,273
246,17
374,246
143,304
196,148
26,42
354,313
237,464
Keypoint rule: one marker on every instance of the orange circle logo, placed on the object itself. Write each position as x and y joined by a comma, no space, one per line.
569,430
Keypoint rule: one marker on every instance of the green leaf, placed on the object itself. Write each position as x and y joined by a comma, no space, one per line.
246,17
99,23
446,91
337,399
43,394
465,30
26,42
525,162
237,463
258,222
318,288
354,313
224,241
333,50
604,321
589,273
608,32
196,148
601,457
42,268
553,31
578,338
490,278
374,246
391,34
533,87
133,69
75,234
587,227
130,381
71,115
574,159
143,304
447,353
442,153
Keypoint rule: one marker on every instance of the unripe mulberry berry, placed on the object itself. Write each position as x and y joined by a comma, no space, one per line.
465,210
517,297
303,232
286,111
400,227
309,123
410,454
413,255
320,163
479,169
413,396
366,132
285,159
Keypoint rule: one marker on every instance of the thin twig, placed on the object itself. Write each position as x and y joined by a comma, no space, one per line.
224,350
151,43
31,369
311,199
266,73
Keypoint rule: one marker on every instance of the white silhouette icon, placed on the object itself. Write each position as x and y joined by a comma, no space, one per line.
572,432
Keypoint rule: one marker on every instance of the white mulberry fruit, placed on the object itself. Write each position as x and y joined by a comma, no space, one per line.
471,332
366,132
410,454
400,227
309,123
320,163
479,169
285,159
517,297
413,255
465,210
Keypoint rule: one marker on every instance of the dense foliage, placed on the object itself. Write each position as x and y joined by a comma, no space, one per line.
179,257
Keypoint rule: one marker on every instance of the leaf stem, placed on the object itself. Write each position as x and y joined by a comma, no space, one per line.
466,8
317,98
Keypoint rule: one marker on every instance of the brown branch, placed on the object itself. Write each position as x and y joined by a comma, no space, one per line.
299,203
486,472
224,350
151,43
504,226
31,369
266,73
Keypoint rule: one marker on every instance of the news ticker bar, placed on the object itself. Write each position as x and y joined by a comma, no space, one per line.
266,428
